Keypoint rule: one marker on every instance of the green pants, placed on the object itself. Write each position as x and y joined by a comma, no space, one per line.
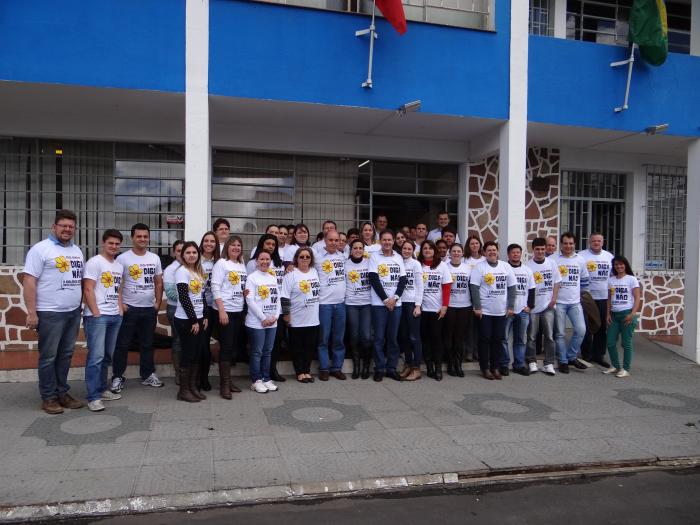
618,327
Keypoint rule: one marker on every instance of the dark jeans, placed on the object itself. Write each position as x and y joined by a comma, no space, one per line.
358,320
230,336
409,336
492,329
386,330
456,325
431,329
170,312
57,334
139,322
594,345
472,337
303,342
191,343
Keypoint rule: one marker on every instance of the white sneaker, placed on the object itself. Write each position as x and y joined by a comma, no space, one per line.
611,370
117,384
153,381
533,368
622,373
96,405
549,370
271,386
259,387
107,395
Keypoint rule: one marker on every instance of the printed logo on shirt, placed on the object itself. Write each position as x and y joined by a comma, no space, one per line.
591,266
304,286
365,255
354,276
327,266
383,270
563,270
62,264
263,292
620,294
195,286
234,278
425,277
489,279
135,272
107,279
271,272
538,278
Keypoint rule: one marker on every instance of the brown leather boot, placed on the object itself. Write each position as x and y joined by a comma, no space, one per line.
414,374
193,382
487,375
225,379
406,372
184,394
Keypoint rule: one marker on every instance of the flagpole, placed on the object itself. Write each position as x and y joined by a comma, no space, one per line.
372,35
629,63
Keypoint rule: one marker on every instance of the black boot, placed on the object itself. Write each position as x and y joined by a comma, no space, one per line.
438,371
204,366
451,366
430,369
355,366
459,372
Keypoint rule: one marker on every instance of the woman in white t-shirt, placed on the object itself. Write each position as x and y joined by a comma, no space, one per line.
368,236
227,286
171,294
623,305
459,313
300,300
473,255
210,250
300,238
409,329
263,300
358,312
190,320
437,282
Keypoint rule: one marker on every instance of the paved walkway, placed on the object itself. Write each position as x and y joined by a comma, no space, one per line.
149,444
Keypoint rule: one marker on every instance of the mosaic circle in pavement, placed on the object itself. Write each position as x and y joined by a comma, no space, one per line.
646,398
316,415
508,408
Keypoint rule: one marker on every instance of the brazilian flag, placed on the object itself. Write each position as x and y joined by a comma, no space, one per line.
649,30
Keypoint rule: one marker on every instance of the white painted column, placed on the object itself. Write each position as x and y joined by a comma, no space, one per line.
462,200
691,318
559,14
197,147
513,136
695,28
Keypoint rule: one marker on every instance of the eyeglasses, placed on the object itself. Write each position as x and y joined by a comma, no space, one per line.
304,257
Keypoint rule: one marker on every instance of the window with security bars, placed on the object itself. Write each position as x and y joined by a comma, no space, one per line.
665,224
108,185
593,202
541,20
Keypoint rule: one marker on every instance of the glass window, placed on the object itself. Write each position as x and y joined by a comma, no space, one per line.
665,224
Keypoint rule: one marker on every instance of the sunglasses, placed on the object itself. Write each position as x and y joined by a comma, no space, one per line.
304,257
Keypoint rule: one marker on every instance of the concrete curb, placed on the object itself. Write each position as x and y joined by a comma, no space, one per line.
334,489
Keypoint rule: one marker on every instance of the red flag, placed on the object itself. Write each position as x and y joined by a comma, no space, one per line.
393,12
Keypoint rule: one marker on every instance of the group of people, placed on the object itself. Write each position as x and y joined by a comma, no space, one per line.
382,293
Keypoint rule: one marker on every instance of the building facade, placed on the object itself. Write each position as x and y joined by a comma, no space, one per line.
174,112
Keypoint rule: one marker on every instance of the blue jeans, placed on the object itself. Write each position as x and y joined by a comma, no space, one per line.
409,336
261,342
140,322
518,323
386,329
575,313
57,334
359,325
332,320
101,333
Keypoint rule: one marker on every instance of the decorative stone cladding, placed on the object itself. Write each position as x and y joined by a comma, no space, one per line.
662,303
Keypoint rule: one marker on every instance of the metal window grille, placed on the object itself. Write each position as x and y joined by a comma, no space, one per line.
593,201
541,22
665,217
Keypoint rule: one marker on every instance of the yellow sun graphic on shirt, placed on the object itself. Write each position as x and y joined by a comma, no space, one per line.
62,264
591,266
234,278
107,279
271,272
383,270
305,287
425,277
489,279
327,266
563,270
354,276
135,272
195,286
365,255
538,278
612,290
263,292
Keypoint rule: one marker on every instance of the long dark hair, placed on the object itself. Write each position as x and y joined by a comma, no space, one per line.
623,260
467,249
276,260
308,235
436,259
217,248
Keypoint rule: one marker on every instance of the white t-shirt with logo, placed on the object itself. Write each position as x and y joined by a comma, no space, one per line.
545,275
389,269
169,279
195,291
621,292
227,283
263,299
433,279
357,287
372,248
599,266
572,271
208,266
472,262
413,292
459,293
436,234
303,291
525,281
59,273
107,276
138,280
331,274
493,283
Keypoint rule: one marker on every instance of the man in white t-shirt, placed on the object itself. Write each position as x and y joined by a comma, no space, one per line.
142,293
443,220
599,266
53,273
102,317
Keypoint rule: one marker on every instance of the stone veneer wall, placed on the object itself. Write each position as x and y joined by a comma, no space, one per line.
662,303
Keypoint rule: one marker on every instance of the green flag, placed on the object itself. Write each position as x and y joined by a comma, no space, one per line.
649,30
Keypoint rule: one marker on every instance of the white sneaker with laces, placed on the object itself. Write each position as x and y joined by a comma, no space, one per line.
153,381
117,384
549,370
108,395
271,386
533,368
96,405
259,387
611,370
622,373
